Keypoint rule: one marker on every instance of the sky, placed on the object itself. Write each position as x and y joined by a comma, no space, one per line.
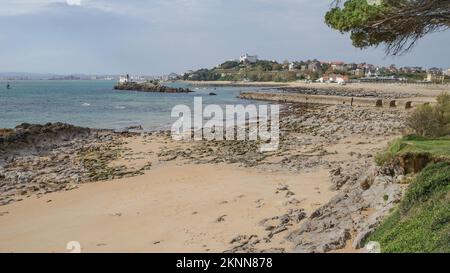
155,37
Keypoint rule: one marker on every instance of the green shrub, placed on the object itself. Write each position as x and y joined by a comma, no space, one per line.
431,121
424,121
383,158
386,156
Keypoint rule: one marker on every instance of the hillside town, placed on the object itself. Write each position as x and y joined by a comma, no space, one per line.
251,68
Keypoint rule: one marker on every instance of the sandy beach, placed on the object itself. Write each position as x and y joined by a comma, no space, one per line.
420,90
155,194
218,131
169,209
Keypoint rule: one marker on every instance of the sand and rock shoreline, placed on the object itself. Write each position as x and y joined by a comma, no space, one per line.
320,192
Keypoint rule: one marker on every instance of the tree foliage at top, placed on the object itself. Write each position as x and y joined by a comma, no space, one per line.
397,24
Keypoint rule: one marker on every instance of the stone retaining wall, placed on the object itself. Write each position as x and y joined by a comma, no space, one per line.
331,100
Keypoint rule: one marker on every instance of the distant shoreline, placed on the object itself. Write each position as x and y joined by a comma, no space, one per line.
235,84
419,90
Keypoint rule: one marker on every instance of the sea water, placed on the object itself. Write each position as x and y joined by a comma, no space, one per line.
96,104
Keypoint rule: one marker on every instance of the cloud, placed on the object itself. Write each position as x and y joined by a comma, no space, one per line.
140,7
160,36
74,2
20,7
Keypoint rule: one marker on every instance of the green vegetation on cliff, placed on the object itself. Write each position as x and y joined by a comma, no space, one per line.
415,145
431,125
421,223
260,71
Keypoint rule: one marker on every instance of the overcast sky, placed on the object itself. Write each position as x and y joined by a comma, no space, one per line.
161,36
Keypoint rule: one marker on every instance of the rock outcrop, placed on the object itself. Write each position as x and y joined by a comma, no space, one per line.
368,196
29,138
150,86
40,159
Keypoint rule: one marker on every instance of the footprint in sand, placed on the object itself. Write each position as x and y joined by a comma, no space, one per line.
238,197
117,214
259,203
221,219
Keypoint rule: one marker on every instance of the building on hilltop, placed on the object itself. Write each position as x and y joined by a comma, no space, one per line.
338,66
435,76
435,70
314,66
292,66
248,59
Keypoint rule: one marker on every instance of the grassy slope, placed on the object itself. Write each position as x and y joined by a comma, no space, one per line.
439,147
421,223
414,144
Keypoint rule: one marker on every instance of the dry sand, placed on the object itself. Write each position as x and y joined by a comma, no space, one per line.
174,207
422,90
169,209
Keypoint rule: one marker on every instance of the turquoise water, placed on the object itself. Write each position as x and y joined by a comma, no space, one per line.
95,104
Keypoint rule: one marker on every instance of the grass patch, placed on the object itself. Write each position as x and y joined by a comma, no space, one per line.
436,147
421,223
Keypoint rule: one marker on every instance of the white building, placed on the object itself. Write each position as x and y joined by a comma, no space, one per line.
291,66
124,79
435,77
248,59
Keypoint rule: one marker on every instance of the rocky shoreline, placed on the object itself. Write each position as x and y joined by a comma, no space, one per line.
40,159
346,92
150,87
365,193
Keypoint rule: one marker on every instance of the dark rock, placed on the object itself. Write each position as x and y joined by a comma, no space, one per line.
150,87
